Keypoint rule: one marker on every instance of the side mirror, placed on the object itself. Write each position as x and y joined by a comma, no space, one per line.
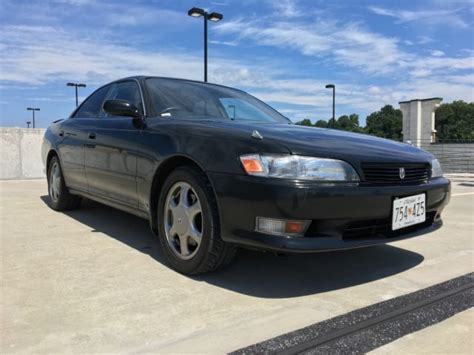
121,108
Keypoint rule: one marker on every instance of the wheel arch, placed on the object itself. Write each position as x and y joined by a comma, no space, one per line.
52,153
161,173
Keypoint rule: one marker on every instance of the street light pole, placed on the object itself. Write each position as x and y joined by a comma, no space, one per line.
76,85
214,17
33,109
333,87
205,49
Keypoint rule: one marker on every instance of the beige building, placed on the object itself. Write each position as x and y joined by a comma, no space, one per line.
419,129
419,120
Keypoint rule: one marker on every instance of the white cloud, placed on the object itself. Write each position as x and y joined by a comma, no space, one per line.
447,17
437,53
75,2
350,45
36,55
49,99
419,72
116,14
225,43
436,86
467,79
374,90
443,65
94,14
285,8
424,39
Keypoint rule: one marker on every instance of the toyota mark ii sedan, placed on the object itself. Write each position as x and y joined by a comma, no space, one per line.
213,168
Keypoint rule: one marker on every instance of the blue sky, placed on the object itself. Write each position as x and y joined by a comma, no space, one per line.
284,52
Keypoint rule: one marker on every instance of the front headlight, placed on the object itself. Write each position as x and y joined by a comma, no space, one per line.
436,169
298,167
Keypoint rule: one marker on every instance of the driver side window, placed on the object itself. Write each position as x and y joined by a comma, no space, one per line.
128,91
92,107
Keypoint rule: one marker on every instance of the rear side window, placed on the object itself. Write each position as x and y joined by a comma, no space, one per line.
128,91
92,107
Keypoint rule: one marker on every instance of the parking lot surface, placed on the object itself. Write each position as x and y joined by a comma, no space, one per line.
94,280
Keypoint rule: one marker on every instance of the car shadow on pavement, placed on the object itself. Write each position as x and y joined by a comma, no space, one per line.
261,274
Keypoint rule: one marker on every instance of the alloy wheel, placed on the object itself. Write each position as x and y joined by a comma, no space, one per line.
183,220
55,182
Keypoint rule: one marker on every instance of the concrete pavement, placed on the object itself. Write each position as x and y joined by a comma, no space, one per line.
93,280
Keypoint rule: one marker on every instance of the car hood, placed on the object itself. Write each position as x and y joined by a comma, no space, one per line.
331,143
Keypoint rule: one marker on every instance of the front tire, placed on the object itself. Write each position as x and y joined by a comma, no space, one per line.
188,224
59,197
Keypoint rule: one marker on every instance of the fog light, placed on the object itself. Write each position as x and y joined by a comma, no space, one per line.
281,226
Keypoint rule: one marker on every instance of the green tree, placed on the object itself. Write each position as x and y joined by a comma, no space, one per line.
455,121
355,123
321,124
305,122
333,123
354,119
349,123
386,123
344,123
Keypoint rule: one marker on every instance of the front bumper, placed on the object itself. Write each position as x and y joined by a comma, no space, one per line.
343,216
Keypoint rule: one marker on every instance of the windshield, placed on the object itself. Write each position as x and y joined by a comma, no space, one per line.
187,99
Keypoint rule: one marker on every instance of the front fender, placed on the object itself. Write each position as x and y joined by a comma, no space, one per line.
51,141
213,149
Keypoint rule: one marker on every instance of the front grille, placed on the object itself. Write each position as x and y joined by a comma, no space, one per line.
381,228
389,174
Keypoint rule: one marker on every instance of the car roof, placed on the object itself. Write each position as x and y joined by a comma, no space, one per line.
143,77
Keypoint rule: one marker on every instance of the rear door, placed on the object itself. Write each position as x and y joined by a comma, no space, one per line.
111,150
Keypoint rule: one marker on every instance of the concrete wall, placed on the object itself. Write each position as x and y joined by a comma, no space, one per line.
454,157
21,153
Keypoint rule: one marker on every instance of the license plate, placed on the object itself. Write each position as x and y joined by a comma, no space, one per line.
408,211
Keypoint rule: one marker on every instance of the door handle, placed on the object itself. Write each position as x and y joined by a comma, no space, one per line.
91,135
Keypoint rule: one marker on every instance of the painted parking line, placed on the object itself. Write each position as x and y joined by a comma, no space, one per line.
463,194
368,328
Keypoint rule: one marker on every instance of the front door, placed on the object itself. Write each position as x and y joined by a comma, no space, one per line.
111,150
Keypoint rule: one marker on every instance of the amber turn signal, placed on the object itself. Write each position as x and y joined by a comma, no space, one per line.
252,164
295,227
282,226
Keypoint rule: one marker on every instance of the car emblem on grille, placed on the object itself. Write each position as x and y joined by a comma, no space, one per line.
401,172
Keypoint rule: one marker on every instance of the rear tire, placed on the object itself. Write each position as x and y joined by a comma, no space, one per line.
188,224
60,199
